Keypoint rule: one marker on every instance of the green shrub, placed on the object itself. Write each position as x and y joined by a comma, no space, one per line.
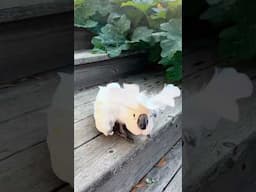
236,21
122,25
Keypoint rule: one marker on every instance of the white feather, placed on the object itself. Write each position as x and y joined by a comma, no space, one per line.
115,103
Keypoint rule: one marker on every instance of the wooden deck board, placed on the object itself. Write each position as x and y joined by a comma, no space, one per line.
22,132
88,66
176,184
164,175
29,170
24,157
23,115
26,96
19,10
98,160
42,37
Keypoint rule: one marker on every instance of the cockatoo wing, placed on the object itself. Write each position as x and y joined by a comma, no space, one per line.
165,97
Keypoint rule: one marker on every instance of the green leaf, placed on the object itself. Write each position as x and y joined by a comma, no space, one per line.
154,54
78,2
87,23
173,67
173,40
176,59
174,73
175,8
87,10
159,13
142,5
142,34
113,37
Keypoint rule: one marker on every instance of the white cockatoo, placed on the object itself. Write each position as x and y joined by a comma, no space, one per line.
130,108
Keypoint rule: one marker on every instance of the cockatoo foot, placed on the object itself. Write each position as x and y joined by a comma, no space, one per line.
121,130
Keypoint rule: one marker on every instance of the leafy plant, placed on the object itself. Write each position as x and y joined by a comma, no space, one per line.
112,37
236,20
122,25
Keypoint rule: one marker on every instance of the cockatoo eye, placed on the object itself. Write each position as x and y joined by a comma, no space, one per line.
142,121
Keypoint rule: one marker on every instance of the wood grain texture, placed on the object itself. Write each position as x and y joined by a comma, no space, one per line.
29,170
164,175
24,156
101,162
21,133
28,95
121,164
35,45
107,70
82,39
86,56
176,184
19,10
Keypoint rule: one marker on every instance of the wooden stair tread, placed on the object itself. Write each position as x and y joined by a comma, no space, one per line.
24,157
106,69
100,160
164,174
86,56
18,10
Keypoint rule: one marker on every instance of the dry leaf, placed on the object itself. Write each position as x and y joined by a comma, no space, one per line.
161,163
140,184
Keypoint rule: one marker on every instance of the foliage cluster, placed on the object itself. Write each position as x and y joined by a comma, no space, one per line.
237,24
124,25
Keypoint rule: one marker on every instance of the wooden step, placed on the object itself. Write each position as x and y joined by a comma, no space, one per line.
82,39
92,69
24,157
111,163
165,176
35,45
22,9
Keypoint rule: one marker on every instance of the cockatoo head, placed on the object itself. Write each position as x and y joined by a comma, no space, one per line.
138,119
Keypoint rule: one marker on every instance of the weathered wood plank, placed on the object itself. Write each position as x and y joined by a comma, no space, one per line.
163,175
82,39
176,184
29,95
35,45
86,56
21,133
29,170
83,115
20,9
107,70
101,163
198,61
